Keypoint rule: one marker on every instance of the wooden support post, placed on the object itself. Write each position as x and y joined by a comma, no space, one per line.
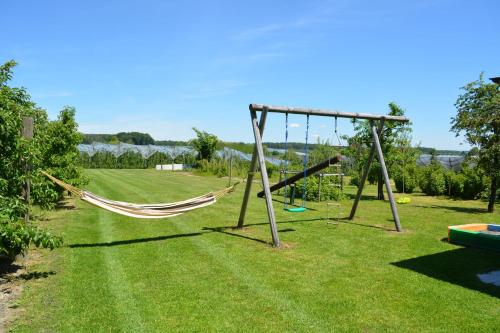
251,172
281,177
27,132
365,173
230,167
319,186
265,179
376,142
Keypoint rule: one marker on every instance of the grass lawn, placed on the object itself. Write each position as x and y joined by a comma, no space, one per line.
195,273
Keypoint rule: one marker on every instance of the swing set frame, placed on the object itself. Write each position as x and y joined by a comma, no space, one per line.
258,156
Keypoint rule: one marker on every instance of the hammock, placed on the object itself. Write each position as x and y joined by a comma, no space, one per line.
143,211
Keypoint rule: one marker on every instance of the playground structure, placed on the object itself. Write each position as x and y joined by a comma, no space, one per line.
258,127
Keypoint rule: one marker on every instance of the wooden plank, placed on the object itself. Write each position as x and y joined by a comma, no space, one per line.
251,173
311,171
380,154
326,113
365,175
265,180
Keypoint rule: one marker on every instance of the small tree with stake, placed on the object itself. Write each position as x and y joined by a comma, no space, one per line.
205,144
478,117
391,134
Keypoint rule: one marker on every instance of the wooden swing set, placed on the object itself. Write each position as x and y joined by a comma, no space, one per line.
376,125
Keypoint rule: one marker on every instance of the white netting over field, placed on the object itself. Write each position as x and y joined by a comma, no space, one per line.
147,150
122,148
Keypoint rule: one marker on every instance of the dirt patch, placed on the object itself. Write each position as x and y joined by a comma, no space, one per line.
11,286
13,277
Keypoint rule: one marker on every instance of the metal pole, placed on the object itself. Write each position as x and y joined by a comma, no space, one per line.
380,154
27,132
365,173
251,172
265,179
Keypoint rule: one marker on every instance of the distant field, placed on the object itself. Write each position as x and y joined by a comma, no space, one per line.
195,273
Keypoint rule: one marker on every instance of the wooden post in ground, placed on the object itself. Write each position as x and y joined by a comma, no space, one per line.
251,172
365,172
27,132
376,142
319,186
230,167
265,179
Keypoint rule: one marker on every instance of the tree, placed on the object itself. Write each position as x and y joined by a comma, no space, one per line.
205,143
478,118
15,153
390,136
58,141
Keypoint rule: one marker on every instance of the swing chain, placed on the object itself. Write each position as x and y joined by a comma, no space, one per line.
285,173
305,163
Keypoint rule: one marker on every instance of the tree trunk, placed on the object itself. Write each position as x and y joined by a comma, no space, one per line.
493,194
380,187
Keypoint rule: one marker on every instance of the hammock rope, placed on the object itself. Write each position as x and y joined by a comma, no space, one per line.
144,211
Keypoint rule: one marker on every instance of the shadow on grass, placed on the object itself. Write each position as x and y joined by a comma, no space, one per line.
8,267
458,267
65,205
134,241
344,220
9,272
352,196
458,209
36,275
223,230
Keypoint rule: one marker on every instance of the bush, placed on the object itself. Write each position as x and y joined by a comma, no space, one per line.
454,183
355,179
409,180
328,189
432,179
131,160
475,182
16,237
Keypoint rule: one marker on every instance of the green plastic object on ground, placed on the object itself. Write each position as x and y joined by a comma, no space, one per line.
296,209
403,200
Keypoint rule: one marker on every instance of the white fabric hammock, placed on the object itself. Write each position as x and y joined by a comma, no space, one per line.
144,211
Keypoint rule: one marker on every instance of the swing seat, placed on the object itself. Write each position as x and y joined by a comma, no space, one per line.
403,200
296,209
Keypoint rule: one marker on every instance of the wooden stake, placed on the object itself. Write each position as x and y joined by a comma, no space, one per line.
251,173
394,209
265,180
365,174
27,132
230,167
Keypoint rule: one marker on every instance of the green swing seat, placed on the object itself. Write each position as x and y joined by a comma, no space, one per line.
296,209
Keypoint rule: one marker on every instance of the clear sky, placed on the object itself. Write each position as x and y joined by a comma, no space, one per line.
163,67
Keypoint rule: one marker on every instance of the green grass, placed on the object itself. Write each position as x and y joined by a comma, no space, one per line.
193,273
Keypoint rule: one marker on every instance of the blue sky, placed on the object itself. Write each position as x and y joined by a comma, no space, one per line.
163,67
